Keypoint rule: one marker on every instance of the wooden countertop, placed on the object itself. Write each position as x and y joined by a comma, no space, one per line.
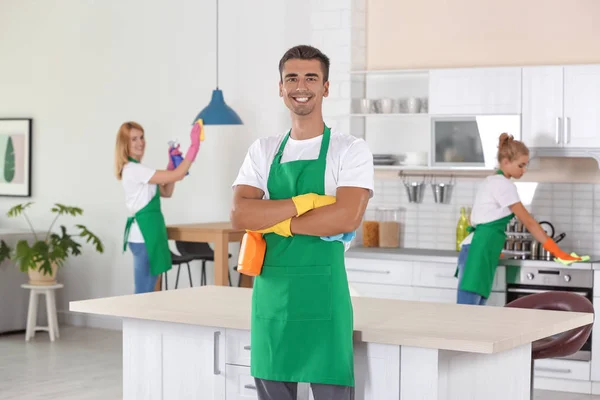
455,327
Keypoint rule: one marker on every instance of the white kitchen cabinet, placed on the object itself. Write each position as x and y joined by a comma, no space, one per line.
475,91
581,105
542,106
562,369
376,371
379,291
237,347
595,369
369,270
188,361
240,384
437,295
560,106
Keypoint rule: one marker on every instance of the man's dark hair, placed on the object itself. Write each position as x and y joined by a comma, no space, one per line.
304,52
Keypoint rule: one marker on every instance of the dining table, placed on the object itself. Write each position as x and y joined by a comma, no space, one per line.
219,234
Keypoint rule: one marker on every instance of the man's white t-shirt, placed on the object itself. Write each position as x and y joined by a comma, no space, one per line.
492,201
138,193
349,161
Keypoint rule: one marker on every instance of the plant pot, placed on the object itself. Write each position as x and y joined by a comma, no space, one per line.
37,277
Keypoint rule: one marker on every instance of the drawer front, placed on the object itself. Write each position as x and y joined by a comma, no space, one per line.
237,347
388,272
438,295
436,275
240,384
562,369
396,292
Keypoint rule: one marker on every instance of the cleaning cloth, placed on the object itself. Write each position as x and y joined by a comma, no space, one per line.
568,262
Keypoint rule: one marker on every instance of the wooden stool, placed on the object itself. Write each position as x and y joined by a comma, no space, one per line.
32,327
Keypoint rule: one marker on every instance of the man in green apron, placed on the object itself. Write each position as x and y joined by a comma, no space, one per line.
302,320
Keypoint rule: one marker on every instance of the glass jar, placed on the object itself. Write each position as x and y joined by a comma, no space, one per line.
370,229
389,227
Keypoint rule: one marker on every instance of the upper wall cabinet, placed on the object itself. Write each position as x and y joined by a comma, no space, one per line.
560,106
475,91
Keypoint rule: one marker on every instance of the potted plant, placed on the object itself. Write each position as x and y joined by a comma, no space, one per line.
46,254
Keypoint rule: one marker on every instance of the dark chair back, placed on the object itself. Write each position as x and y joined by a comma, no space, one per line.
199,250
566,343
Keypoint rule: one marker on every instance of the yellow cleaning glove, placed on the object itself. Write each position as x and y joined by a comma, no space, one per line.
568,262
302,202
323,201
309,201
282,229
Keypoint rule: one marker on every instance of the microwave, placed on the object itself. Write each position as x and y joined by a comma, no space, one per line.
470,141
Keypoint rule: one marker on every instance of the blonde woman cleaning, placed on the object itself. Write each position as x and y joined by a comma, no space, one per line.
496,203
145,230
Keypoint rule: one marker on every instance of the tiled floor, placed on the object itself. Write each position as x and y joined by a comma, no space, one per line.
85,364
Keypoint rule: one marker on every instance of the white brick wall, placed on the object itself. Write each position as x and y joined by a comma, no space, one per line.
338,29
571,208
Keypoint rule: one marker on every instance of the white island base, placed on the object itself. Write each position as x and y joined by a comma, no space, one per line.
195,344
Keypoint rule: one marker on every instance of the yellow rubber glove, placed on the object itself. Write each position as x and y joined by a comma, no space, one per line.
309,201
323,201
313,200
282,229
304,203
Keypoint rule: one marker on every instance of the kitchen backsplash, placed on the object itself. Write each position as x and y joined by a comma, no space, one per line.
571,208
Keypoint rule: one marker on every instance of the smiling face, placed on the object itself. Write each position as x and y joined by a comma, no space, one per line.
302,86
137,143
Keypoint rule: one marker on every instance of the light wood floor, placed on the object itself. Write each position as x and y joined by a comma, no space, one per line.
85,364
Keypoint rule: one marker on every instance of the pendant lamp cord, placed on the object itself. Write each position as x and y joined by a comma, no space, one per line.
217,44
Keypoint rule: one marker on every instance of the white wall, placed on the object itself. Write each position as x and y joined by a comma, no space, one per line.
81,68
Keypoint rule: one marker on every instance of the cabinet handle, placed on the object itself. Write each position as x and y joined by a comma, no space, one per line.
568,129
216,353
251,387
247,347
367,270
557,370
557,129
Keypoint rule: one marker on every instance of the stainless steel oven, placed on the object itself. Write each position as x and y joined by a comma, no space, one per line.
523,281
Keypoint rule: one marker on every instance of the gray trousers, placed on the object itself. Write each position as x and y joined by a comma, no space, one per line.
275,390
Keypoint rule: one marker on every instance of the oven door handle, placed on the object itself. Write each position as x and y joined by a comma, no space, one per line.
532,291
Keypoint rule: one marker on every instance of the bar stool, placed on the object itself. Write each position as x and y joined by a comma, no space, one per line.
563,344
34,292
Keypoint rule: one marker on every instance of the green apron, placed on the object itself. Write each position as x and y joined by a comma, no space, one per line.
302,319
484,252
151,222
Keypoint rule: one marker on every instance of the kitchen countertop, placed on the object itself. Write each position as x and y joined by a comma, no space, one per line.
451,256
406,323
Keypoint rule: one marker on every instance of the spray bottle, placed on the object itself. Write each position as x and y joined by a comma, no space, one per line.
177,158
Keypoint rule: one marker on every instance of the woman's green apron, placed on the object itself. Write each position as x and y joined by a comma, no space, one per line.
302,320
151,222
484,253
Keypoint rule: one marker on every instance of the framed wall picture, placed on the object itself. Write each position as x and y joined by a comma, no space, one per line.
15,157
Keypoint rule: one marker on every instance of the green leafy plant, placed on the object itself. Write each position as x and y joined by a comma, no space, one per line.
54,248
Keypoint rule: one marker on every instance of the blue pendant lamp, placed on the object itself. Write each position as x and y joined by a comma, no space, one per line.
217,112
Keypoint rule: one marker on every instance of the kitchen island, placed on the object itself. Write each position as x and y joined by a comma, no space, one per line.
194,343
